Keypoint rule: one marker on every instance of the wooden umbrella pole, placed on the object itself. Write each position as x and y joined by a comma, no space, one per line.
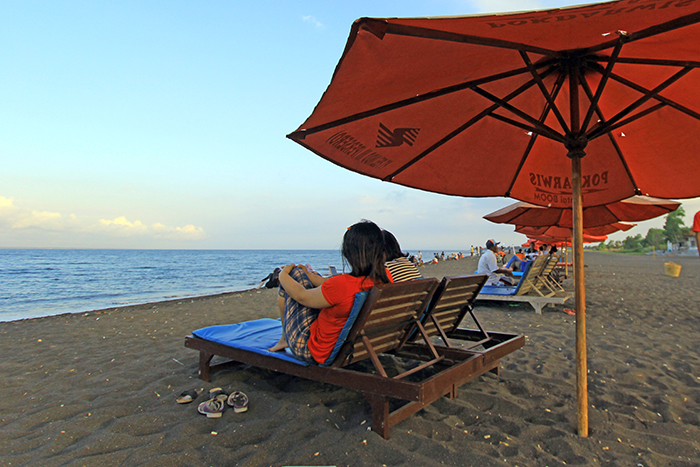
580,299
576,146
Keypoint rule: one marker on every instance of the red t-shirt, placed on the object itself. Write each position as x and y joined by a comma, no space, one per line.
696,222
340,292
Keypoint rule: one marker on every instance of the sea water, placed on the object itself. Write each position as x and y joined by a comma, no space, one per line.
35,283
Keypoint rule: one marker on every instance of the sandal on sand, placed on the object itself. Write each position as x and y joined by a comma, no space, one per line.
217,394
569,311
238,401
188,396
212,409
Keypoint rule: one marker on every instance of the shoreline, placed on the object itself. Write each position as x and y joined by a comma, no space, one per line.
99,387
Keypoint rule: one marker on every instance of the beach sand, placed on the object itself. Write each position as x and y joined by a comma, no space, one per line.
99,388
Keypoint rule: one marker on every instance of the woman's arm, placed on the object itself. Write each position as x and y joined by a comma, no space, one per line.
312,298
315,278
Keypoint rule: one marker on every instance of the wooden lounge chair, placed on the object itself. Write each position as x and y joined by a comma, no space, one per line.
389,316
546,279
532,289
444,321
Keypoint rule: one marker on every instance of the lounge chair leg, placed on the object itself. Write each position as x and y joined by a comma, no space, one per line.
380,413
496,370
537,306
204,360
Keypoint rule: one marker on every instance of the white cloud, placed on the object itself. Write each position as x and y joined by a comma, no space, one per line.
188,232
6,202
312,20
16,218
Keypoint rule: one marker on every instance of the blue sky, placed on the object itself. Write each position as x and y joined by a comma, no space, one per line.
154,124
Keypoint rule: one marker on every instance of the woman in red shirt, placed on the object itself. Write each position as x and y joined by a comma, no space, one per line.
314,309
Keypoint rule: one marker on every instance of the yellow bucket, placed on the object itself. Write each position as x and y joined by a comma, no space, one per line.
673,269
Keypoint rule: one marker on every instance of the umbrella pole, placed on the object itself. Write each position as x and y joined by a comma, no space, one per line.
580,299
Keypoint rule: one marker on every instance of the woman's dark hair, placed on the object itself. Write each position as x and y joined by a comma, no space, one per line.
392,249
363,249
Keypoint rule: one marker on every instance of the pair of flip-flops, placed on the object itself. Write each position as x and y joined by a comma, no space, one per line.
218,399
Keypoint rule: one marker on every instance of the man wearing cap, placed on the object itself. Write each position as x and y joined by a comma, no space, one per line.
488,265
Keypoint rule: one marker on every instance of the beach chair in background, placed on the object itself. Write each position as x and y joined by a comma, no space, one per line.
378,330
545,279
531,289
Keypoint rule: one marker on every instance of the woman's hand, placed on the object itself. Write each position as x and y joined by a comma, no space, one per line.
287,269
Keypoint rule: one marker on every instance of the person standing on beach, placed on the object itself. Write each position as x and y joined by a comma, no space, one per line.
696,229
314,309
489,265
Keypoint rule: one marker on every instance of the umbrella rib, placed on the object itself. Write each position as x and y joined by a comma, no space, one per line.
601,86
543,90
301,134
427,33
600,129
651,31
645,61
599,112
461,128
541,128
665,27
665,100
636,116
555,92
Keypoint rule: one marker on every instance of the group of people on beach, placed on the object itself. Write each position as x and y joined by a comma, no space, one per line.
314,308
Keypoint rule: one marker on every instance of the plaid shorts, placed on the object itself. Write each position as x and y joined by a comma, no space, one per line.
298,319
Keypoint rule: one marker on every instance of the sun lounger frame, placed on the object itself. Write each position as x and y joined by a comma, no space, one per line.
389,318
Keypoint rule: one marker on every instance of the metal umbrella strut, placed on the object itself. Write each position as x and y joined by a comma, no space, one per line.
523,100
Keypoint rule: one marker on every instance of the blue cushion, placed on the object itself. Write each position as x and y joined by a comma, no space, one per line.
261,334
254,336
360,298
498,290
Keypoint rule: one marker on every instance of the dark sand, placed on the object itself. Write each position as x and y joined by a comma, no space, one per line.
99,388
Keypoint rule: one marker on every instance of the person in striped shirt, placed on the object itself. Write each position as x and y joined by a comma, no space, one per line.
398,267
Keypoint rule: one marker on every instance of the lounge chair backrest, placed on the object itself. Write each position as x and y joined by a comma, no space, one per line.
550,265
452,300
387,318
529,279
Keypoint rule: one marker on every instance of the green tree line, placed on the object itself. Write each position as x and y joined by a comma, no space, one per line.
674,230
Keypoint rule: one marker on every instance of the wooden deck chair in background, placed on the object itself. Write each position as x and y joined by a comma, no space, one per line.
527,290
546,277
533,278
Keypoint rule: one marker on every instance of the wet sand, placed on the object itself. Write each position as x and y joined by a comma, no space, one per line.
99,388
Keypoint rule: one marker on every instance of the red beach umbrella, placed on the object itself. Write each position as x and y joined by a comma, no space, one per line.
567,107
564,233
636,208
566,241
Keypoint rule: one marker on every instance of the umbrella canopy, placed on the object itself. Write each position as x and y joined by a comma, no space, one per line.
566,240
576,107
564,233
636,208
425,102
